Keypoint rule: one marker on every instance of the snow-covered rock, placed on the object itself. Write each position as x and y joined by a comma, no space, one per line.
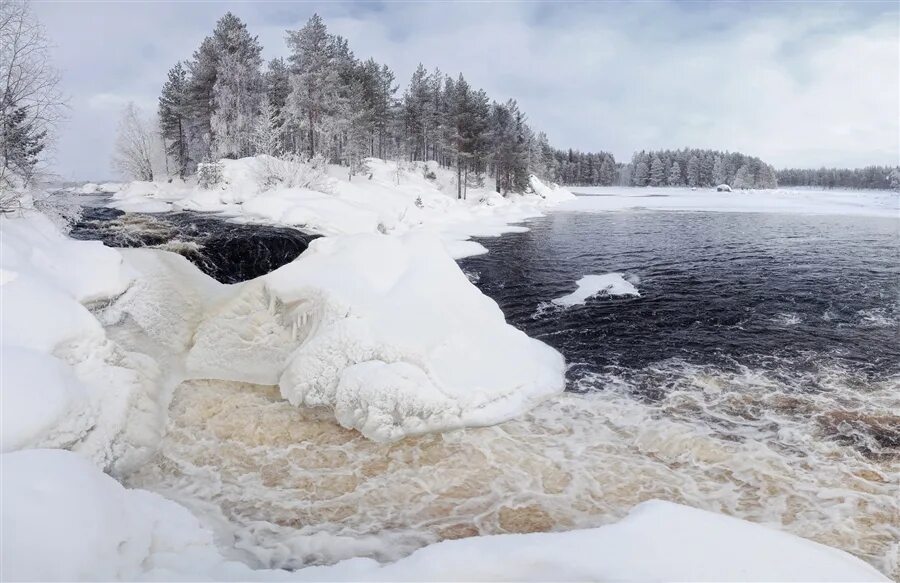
613,284
384,330
723,188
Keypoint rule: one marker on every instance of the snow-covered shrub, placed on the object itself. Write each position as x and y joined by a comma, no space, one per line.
419,202
209,174
293,171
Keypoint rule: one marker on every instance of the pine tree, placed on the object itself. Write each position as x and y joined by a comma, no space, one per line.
743,179
720,175
278,87
173,118
641,174
657,172
608,173
239,89
674,178
314,80
693,171
21,139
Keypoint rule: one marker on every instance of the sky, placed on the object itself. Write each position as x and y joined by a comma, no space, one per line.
799,84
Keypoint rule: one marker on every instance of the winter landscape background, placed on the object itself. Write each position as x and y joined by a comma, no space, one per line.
287,295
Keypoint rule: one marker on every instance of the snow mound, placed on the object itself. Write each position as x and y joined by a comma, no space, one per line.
552,193
41,399
613,284
657,541
385,331
65,383
63,520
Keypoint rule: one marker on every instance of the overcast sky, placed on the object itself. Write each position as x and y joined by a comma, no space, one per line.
796,83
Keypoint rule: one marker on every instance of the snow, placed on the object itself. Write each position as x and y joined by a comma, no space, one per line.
62,519
66,384
613,284
40,395
393,197
375,323
795,201
385,331
657,541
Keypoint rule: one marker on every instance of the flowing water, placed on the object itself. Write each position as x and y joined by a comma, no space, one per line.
758,374
227,251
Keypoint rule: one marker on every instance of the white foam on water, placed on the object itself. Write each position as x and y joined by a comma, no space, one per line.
285,487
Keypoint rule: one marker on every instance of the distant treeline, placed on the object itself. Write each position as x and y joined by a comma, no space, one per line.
692,167
877,177
706,168
576,168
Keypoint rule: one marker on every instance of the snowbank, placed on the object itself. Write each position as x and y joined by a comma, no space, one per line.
384,330
657,541
62,519
393,197
613,284
65,383
795,201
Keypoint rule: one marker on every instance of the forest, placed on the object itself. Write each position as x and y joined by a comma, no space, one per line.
876,177
322,102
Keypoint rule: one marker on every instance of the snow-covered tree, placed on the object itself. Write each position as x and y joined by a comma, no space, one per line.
765,177
266,137
238,90
173,118
743,178
894,179
641,174
693,171
657,172
674,178
31,102
314,80
720,173
134,150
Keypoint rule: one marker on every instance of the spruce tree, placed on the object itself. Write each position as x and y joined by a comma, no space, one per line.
674,178
657,172
173,118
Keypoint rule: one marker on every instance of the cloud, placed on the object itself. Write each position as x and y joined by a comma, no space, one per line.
804,84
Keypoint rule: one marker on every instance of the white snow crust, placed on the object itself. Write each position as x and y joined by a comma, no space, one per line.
613,284
780,200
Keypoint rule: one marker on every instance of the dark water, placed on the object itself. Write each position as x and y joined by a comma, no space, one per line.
229,252
780,309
